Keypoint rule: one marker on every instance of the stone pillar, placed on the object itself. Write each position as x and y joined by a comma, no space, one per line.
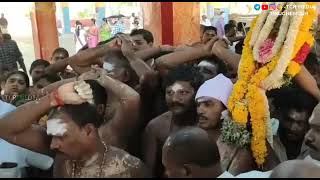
101,12
44,30
172,23
66,17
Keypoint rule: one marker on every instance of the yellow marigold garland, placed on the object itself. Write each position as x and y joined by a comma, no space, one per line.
257,111
247,96
293,69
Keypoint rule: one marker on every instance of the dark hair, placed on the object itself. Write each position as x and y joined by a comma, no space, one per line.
147,35
52,78
228,27
292,98
81,114
38,62
193,146
93,20
187,73
231,22
99,93
239,26
116,55
207,28
239,46
25,76
61,50
6,36
77,30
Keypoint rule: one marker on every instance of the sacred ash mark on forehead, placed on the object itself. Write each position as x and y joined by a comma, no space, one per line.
108,66
56,127
176,87
205,63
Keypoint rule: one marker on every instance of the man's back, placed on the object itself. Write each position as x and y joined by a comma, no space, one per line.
9,54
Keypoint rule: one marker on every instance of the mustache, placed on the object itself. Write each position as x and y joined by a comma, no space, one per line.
310,145
176,104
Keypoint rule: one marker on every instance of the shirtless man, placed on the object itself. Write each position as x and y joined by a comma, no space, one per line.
123,106
211,99
312,138
181,85
189,153
294,107
71,134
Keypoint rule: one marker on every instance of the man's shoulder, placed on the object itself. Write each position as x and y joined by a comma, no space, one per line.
160,120
130,162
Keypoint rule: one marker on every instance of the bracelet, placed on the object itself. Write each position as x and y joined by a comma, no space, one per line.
56,97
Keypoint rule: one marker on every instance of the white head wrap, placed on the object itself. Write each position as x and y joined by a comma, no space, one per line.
219,87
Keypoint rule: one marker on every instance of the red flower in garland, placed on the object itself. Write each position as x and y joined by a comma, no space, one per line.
302,53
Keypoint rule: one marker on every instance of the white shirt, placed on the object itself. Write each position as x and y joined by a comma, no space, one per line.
23,157
309,158
250,174
226,174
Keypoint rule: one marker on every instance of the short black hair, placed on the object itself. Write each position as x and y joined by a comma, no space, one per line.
93,20
25,76
292,97
52,78
207,28
78,22
187,73
193,146
38,62
99,93
6,36
228,27
147,35
81,114
231,22
240,27
62,50
239,46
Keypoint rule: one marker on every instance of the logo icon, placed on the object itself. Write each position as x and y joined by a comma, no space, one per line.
264,7
272,6
257,7
279,7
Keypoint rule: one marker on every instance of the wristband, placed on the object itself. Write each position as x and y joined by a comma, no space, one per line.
57,98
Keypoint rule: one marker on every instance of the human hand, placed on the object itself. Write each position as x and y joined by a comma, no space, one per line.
208,46
127,46
101,74
88,75
84,91
66,94
115,43
219,45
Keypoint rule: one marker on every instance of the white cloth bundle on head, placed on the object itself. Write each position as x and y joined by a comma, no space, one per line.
219,87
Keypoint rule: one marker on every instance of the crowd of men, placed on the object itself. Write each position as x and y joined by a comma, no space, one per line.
129,108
